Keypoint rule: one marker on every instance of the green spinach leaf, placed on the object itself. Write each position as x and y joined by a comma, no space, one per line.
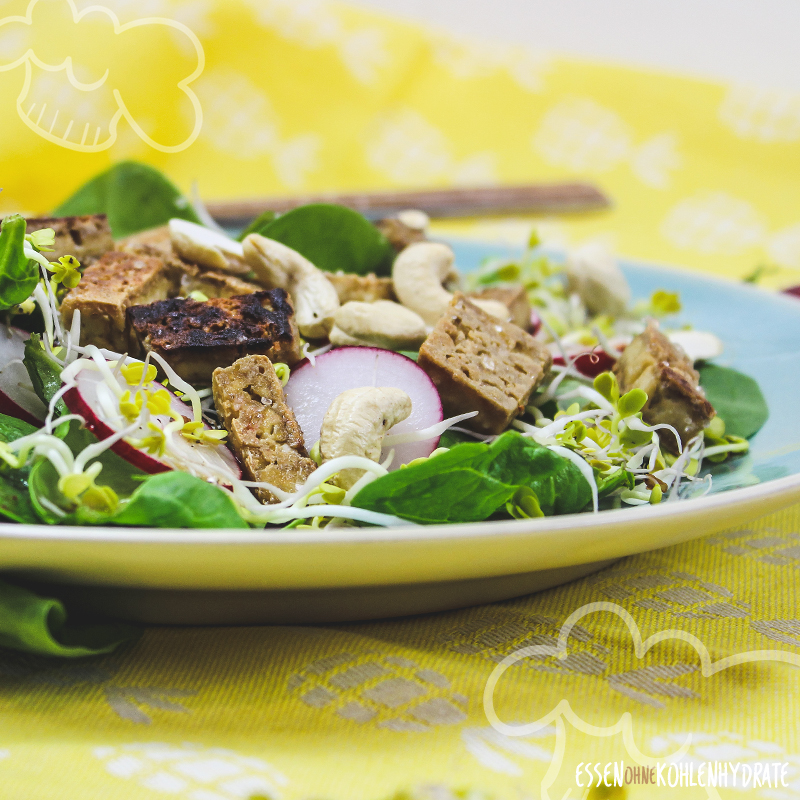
333,238
134,196
258,225
15,502
18,274
40,625
737,399
472,481
45,374
179,500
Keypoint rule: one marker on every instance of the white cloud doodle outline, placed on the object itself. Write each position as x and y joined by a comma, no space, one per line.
563,711
29,57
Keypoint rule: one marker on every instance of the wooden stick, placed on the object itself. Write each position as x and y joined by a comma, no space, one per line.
541,198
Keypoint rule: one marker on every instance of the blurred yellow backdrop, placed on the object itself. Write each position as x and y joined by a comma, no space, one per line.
253,97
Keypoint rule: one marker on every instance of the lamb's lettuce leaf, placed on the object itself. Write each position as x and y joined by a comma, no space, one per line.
473,481
258,225
41,625
134,196
18,274
15,502
333,238
737,398
45,374
179,500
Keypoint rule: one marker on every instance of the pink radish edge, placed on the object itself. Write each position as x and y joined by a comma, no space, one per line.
312,388
77,405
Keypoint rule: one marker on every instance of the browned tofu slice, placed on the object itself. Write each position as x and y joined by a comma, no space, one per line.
398,233
514,298
674,397
215,284
106,291
481,364
87,238
152,241
263,430
198,337
361,288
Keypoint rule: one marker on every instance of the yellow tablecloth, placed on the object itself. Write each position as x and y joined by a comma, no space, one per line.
266,96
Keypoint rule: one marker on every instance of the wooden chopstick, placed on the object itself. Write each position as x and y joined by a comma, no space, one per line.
537,198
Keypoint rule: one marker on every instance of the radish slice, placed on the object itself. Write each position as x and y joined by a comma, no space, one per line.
94,400
17,398
311,390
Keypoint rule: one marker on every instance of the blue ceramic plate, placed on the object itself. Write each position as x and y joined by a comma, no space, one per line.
223,577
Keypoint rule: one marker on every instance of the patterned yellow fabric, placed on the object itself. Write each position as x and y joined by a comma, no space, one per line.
252,97
296,95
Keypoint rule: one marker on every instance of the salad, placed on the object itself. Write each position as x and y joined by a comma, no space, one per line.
319,370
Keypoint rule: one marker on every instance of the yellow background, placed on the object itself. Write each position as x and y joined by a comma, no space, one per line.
303,95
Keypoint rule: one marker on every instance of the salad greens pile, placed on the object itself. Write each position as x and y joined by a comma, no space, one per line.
581,445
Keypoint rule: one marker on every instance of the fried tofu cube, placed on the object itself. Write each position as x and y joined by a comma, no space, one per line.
196,337
108,289
361,288
674,396
87,238
399,234
479,363
514,298
262,427
153,240
215,284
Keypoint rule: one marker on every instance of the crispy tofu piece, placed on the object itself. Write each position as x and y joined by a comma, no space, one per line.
262,427
154,241
674,396
108,289
198,337
514,298
479,363
87,238
398,233
215,284
361,288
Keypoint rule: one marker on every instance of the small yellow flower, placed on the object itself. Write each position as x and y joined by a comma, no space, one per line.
133,373
73,486
197,432
156,443
159,402
100,498
42,240
66,271
26,306
131,407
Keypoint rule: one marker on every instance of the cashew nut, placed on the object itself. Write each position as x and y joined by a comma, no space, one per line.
207,248
418,275
593,274
698,345
381,324
278,266
356,423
